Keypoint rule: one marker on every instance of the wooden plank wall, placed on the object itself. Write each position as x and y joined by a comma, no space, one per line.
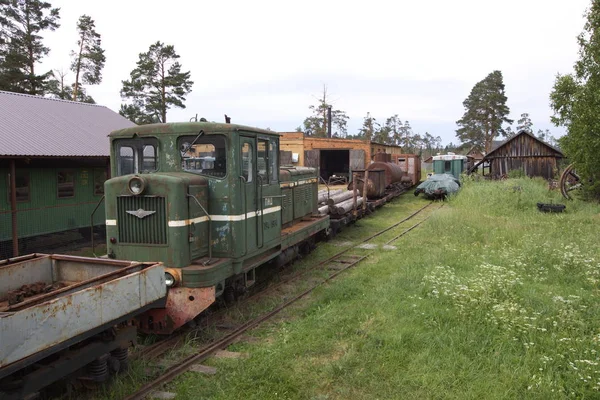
530,155
293,142
393,150
296,142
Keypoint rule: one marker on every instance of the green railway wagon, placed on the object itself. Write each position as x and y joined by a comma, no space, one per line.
210,201
52,196
453,164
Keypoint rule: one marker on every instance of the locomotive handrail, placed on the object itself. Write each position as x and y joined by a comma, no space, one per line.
92,224
259,199
245,216
209,230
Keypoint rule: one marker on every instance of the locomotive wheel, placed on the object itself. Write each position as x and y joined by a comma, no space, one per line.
569,181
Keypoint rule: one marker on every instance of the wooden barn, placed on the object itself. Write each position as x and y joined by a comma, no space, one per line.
522,152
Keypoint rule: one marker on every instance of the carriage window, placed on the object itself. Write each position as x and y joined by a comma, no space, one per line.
136,156
263,161
247,162
204,155
447,166
66,184
22,186
126,160
273,160
99,179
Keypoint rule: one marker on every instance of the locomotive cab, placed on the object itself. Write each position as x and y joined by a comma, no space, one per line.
206,200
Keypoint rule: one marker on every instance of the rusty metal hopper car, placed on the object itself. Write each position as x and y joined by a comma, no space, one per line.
380,179
65,316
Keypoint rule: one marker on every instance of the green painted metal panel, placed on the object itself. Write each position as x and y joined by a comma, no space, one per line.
45,212
453,167
287,206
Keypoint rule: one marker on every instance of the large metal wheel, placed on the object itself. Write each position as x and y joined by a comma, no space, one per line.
569,181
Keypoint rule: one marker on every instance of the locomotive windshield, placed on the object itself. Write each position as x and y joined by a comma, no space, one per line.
137,156
205,155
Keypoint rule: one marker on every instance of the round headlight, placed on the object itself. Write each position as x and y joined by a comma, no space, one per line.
169,279
136,185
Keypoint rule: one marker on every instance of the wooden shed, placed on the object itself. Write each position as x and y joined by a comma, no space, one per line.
522,152
331,156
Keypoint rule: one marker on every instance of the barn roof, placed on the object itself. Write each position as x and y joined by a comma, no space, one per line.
502,144
506,142
39,126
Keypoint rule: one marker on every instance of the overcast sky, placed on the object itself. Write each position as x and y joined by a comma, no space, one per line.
264,62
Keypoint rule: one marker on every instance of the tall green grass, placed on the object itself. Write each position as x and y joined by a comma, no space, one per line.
488,299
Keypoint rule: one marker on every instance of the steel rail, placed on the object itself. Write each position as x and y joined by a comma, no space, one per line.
184,365
209,350
162,346
411,228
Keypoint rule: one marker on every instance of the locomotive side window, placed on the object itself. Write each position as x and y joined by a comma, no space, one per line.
136,156
247,162
205,155
273,170
263,161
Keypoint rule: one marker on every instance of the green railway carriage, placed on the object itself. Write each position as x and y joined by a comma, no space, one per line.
211,202
453,164
52,196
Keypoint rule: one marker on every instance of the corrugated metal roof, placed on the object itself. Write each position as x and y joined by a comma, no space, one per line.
39,126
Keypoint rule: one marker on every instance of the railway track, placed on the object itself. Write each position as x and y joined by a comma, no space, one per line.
339,262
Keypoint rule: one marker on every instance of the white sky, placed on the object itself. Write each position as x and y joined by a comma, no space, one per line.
264,62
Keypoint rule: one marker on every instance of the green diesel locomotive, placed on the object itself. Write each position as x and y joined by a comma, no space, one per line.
211,202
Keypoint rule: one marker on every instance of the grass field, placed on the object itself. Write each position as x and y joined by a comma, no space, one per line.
489,298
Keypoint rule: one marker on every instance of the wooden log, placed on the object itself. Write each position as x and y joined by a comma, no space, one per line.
339,197
365,191
322,196
347,206
323,210
354,192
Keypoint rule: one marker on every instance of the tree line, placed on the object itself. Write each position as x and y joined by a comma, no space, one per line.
392,132
156,84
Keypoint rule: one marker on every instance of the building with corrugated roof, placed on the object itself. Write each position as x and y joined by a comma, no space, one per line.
54,159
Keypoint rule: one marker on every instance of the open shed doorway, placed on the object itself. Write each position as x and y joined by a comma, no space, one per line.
335,162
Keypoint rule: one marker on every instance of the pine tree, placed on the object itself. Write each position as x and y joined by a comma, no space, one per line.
485,112
21,46
58,88
317,123
155,85
575,102
88,60
392,129
370,128
525,124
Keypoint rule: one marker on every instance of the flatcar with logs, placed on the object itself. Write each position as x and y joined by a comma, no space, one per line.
193,209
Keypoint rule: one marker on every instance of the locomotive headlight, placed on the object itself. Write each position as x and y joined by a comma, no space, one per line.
136,185
172,277
169,279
